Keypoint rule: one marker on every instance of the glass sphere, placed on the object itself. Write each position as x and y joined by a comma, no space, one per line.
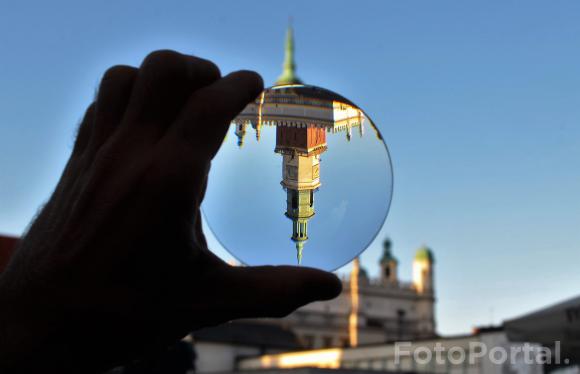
303,177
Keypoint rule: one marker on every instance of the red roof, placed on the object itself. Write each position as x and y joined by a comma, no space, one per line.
7,245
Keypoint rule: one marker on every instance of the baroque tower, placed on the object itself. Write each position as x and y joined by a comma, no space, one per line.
300,148
240,133
388,264
423,282
423,270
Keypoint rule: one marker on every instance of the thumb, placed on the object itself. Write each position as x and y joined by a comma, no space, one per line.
273,291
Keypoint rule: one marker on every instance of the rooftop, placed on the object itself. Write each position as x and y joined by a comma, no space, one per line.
249,334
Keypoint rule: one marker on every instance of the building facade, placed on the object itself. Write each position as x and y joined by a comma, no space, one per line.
385,309
467,354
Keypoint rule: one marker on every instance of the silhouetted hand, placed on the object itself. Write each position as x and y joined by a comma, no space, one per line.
116,266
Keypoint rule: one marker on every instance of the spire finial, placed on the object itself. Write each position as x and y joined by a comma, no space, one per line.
289,68
299,248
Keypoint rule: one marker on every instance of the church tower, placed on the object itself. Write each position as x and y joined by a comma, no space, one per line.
423,283
240,133
388,264
257,126
423,270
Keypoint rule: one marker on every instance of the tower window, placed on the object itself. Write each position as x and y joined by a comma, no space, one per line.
294,201
387,272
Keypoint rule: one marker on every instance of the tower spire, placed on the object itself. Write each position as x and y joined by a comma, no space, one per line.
289,68
299,248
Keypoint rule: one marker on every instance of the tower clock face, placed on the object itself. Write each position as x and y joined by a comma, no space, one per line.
302,177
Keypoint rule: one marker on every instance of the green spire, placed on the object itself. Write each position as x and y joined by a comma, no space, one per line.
299,247
289,73
425,254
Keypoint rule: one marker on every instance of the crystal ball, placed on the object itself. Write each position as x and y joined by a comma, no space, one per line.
303,177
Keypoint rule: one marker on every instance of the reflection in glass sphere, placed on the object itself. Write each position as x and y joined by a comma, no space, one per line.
303,177
312,186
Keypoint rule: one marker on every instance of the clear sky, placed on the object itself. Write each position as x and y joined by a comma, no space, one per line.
479,103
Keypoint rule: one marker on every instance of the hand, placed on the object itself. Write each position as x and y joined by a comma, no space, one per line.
116,265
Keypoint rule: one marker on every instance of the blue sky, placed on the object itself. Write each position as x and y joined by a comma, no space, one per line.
478,102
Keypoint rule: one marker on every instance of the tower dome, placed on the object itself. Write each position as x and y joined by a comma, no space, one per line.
387,253
425,254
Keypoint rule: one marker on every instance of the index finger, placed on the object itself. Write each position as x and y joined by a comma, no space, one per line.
209,111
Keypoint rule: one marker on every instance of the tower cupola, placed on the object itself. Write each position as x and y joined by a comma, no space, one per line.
388,264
